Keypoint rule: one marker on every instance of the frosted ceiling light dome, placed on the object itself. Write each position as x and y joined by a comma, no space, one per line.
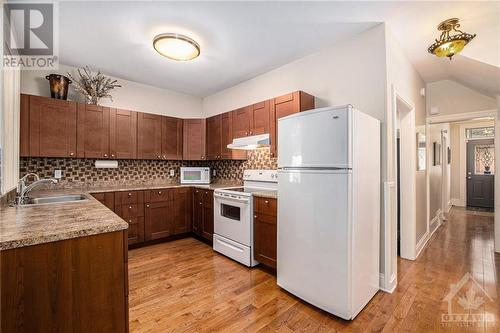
176,47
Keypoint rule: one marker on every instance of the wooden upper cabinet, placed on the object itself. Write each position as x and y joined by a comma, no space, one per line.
52,127
194,139
93,131
261,118
24,124
227,138
171,138
214,137
149,136
242,122
286,105
123,134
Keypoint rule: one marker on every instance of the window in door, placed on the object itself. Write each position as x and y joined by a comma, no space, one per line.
484,157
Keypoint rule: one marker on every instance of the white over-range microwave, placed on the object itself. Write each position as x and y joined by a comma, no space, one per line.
191,175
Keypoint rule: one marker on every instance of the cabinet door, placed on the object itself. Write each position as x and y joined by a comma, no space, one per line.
135,229
265,239
158,220
194,139
182,211
171,138
52,127
208,214
261,118
242,119
123,134
107,199
214,137
24,124
286,105
227,138
198,211
148,136
93,131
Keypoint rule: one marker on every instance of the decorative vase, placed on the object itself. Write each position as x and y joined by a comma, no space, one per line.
58,86
487,170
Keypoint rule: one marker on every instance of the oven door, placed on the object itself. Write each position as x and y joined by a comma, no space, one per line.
232,218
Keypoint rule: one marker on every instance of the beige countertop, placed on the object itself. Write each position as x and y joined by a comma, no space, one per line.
272,194
37,224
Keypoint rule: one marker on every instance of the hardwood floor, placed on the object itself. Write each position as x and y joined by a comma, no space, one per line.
183,286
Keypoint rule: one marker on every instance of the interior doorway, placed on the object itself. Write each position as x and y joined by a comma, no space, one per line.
480,182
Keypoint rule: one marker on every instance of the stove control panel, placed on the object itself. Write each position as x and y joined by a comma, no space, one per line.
261,175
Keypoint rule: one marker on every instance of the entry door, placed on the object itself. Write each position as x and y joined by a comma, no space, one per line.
480,173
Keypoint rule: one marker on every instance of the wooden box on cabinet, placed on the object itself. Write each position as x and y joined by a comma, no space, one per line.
265,231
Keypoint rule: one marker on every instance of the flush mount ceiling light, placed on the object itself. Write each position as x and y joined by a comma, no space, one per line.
176,47
450,44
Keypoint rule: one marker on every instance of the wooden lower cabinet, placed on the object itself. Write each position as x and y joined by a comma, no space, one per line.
182,211
265,231
107,199
203,213
129,205
74,285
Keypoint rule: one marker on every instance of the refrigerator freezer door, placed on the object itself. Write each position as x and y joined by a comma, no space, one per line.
317,138
314,237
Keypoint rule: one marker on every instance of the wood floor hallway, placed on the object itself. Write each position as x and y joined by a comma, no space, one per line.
183,286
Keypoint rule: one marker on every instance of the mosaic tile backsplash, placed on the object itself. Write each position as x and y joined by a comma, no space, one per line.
82,172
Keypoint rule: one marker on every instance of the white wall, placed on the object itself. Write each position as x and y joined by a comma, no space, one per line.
451,97
132,95
341,74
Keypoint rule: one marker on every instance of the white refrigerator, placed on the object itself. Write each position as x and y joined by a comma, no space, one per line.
329,208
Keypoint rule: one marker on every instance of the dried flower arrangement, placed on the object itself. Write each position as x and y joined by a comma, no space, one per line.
93,87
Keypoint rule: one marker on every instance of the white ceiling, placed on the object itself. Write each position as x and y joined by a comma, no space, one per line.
240,40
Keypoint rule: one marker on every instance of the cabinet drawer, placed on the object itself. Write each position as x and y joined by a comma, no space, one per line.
159,195
131,210
266,206
129,197
208,198
265,218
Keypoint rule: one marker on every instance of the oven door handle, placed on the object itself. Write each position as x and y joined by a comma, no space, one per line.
222,196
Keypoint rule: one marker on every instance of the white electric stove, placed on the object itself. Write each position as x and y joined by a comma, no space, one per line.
233,215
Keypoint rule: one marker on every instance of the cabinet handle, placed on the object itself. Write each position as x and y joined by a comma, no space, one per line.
147,206
71,154
105,155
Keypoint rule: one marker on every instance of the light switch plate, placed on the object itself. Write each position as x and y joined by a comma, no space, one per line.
57,174
172,172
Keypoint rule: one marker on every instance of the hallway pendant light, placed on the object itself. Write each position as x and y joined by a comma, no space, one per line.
176,47
450,44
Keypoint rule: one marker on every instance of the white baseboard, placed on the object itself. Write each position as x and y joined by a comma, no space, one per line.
457,202
434,225
391,285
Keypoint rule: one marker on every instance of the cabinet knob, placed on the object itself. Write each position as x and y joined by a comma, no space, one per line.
105,155
250,132
112,155
201,203
159,192
197,191
129,194
164,157
246,133
129,221
158,156
71,154
266,201
129,207
255,216
147,206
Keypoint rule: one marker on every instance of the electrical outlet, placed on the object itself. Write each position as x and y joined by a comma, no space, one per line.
172,172
214,172
57,174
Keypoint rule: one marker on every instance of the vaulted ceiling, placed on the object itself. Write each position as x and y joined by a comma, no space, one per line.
240,40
